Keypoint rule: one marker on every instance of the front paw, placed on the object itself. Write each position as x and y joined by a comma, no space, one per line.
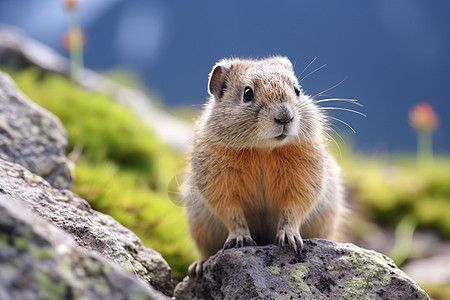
291,238
195,269
236,241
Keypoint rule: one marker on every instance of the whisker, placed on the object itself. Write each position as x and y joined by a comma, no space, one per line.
335,132
339,120
198,105
353,101
337,145
300,76
341,108
330,88
312,72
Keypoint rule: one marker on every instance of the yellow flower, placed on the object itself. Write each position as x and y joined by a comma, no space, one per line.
73,38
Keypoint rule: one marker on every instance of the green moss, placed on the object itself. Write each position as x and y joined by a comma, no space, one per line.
354,258
302,286
50,288
93,268
389,189
104,129
20,243
372,270
3,239
356,288
34,130
128,267
367,262
357,285
345,259
40,252
274,270
123,170
102,290
299,273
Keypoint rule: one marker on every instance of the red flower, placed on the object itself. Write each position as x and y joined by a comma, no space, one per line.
70,4
423,118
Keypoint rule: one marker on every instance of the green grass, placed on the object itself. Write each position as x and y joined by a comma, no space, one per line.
390,189
105,129
123,170
150,214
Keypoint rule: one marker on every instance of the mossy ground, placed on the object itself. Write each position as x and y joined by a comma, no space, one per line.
388,189
123,169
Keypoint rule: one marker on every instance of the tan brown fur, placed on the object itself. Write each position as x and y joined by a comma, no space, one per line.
259,170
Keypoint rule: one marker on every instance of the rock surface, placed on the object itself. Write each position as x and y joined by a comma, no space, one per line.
32,137
90,229
323,270
40,261
35,139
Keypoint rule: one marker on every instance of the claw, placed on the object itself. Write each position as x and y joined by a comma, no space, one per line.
290,238
280,238
238,241
196,269
229,243
248,241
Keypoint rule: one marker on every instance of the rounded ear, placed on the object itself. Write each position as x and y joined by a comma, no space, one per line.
283,60
218,79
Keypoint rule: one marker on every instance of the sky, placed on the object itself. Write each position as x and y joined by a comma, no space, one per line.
390,55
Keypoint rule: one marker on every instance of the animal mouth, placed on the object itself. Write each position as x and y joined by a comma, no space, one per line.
281,137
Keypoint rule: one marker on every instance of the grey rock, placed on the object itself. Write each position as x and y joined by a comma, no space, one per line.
32,137
40,261
90,229
323,270
18,52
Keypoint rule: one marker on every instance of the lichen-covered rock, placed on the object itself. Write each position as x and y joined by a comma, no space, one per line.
323,270
32,137
90,229
40,261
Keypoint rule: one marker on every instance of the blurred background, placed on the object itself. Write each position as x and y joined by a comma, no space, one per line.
393,54
390,55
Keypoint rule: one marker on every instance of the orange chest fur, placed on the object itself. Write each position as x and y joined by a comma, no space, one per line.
247,177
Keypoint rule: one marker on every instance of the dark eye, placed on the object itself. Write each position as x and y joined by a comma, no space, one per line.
297,90
248,94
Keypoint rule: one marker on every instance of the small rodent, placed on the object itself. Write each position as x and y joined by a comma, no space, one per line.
259,169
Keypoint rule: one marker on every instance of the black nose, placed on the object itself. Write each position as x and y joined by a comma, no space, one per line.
283,120
284,115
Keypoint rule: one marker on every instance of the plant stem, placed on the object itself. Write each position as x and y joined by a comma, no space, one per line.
403,246
75,45
424,146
